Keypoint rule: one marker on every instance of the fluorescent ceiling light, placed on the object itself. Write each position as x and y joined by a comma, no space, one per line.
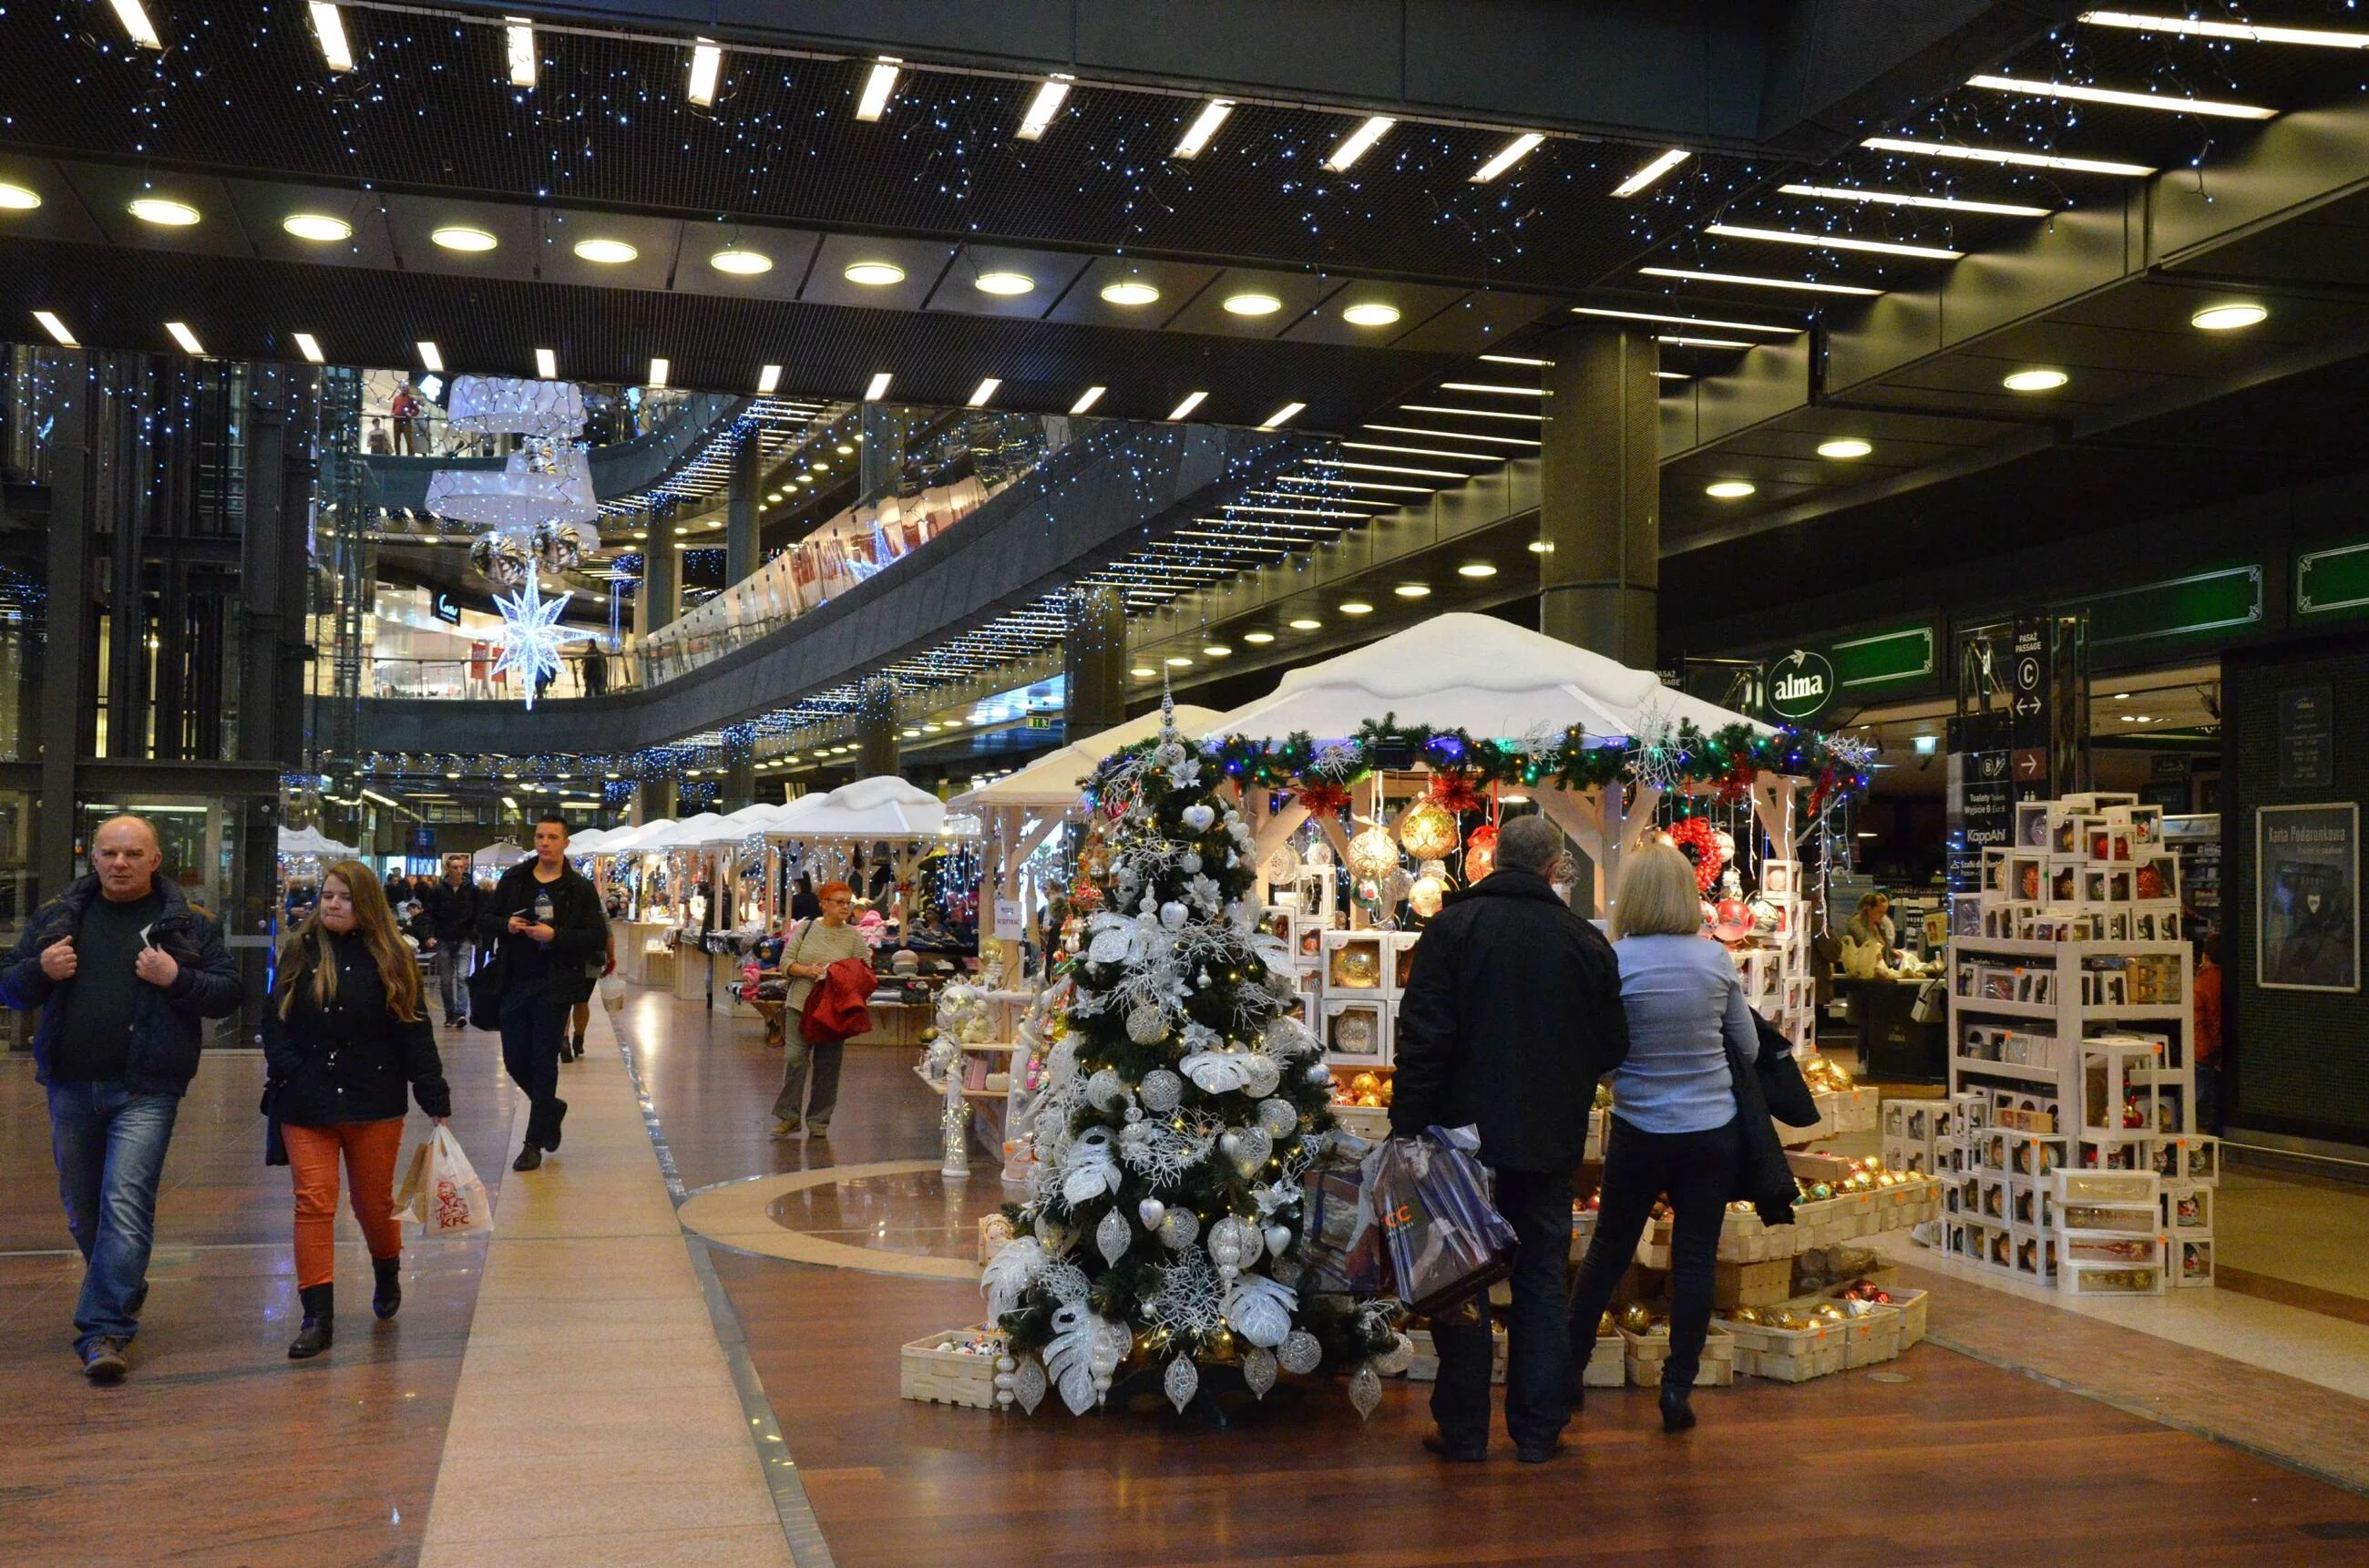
1088,399
767,379
706,65
184,336
518,42
1192,401
1413,590
1676,341
1390,468
1904,199
134,18
329,31
2035,381
877,85
1844,448
1129,291
1468,413
1645,177
318,227
1252,305
1476,569
1358,143
1282,416
1044,106
878,388
740,261
2078,93
607,252
546,364
1441,435
460,236
1204,125
17,198
164,211
1834,242
1008,284
430,356
873,274
1685,320
984,391
309,346
2226,318
2005,156
55,329
1729,489
1370,313
1512,153
1491,387
659,370
1750,281
2238,32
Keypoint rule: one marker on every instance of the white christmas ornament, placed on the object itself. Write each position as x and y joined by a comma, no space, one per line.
1198,816
531,634
1258,1371
1278,1237
1173,915
1028,1385
1161,1091
1106,1090
1364,1390
1299,1353
1151,1211
1278,1117
1112,1236
1180,1229
1181,1382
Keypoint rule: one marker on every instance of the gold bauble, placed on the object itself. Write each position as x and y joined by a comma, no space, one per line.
1636,1317
1373,854
1744,1315
1427,829
1364,1083
1221,1344
1385,1089
1605,1327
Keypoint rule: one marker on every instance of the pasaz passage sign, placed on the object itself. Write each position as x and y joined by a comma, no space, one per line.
1800,684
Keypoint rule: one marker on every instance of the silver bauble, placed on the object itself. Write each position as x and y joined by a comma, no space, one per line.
1151,1211
1146,1025
1112,1236
1258,1371
1319,1073
1180,1230
1106,1090
1173,915
1181,1382
1278,1117
1364,1390
1161,1091
1277,1238
1028,1385
1299,1353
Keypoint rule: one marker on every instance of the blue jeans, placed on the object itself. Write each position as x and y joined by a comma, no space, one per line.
109,1146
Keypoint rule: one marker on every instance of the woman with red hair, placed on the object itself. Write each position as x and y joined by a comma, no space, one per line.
808,952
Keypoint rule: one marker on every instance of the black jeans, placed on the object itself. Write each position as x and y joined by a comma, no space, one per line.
1698,1171
1537,1354
531,1026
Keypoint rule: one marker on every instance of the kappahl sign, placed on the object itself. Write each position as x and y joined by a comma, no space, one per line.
1800,684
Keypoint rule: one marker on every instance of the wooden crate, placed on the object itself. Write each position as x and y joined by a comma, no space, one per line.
1785,1356
1423,1367
1872,1338
1642,1355
1751,1284
946,1377
1608,1364
1911,1305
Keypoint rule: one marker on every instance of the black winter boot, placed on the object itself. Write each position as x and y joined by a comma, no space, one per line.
389,1294
320,1322
1677,1414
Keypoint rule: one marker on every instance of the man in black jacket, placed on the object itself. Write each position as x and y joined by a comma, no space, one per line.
543,920
1512,1012
454,904
124,969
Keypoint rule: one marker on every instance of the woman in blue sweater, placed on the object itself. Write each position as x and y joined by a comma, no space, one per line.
1672,1126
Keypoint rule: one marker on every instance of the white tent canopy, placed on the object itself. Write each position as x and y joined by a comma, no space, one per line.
589,840
734,826
882,808
312,841
688,833
1051,782
498,855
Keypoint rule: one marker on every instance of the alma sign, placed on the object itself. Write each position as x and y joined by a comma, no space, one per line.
1799,686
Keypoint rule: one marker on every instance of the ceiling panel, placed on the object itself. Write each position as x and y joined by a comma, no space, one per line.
61,214
790,250
107,192
1415,302
263,207
923,262
1049,273
1297,293
414,220
655,243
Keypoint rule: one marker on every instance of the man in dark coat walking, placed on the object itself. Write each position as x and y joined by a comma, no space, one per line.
1512,1012
542,920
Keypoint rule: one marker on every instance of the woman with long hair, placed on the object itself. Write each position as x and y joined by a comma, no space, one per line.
1674,1126
345,1033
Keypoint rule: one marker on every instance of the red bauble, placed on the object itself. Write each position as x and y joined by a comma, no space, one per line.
1730,920
1480,852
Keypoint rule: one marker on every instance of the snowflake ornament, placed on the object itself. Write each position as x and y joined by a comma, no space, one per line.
531,634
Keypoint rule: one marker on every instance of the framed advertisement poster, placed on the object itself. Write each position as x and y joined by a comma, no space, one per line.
2307,898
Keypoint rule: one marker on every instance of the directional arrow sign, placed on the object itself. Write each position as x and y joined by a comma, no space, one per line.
2026,705
2031,764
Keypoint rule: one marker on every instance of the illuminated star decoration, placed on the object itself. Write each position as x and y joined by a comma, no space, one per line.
532,633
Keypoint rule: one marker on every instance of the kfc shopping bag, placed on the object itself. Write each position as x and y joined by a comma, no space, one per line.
1341,1238
455,1200
1445,1240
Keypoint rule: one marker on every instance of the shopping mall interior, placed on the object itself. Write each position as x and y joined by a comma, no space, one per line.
1136,497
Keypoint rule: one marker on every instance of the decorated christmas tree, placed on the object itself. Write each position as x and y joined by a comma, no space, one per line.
1186,1102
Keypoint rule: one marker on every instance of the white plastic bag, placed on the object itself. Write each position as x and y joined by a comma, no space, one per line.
613,992
455,1200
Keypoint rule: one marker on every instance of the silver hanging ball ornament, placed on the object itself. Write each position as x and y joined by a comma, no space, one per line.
1181,1382
1277,1238
1173,915
1151,1211
1106,1090
1299,1353
1278,1117
1180,1230
1395,1361
1364,1390
1319,1073
1112,1236
1146,1025
1258,1371
1161,1091
1191,862
1199,814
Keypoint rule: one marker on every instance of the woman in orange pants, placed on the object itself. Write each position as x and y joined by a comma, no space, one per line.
343,1036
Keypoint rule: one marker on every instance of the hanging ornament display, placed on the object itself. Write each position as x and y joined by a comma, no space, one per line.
1481,853
1427,896
1183,1380
1258,1372
1427,829
1373,854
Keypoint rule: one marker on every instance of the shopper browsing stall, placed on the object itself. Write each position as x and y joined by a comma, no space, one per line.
807,954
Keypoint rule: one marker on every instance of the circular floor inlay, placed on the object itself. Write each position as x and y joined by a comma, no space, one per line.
895,1217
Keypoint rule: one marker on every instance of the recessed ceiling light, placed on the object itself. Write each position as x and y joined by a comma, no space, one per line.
1751,281
1476,569
1282,416
318,227
1258,636
2079,93
164,211
1177,661
2122,696
546,364
1645,177
1129,291
1204,125
308,346
769,381
878,83
1192,401
873,274
1358,143
740,261
1003,283
1833,242
1678,340
17,198
1685,320
1413,590
430,355
134,18
706,65
2227,318
912,732
517,47
1252,305
1729,489
184,336
607,252
803,479
1306,625
329,32
1088,399
659,370
460,236
1844,448
1905,199
1354,607
2035,381
2005,156
844,450
1143,672
1044,106
1370,313
2241,33
1512,153
984,391
879,387
1217,650
1541,547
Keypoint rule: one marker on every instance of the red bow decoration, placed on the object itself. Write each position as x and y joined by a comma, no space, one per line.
1322,798
1736,788
1454,792
1697,832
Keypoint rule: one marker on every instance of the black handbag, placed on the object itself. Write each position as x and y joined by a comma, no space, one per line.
275,1145
485,993
1781,1084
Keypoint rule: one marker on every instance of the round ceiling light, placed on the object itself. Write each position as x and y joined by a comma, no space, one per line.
459,236
1178,661
2228,318
1355,607
1729,489
607,252
1129,291
1252,305
318,227
1844,448
1258,636
1371,313
1217,650
2035,381
741,262
1476,569
844,450
165,212
1007,283
17,198
1413,590
1143,672
1305,625
873,274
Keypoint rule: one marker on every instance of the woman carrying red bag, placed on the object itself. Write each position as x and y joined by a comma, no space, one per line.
807,957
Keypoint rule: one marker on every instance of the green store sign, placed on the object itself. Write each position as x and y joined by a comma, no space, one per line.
1801,685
